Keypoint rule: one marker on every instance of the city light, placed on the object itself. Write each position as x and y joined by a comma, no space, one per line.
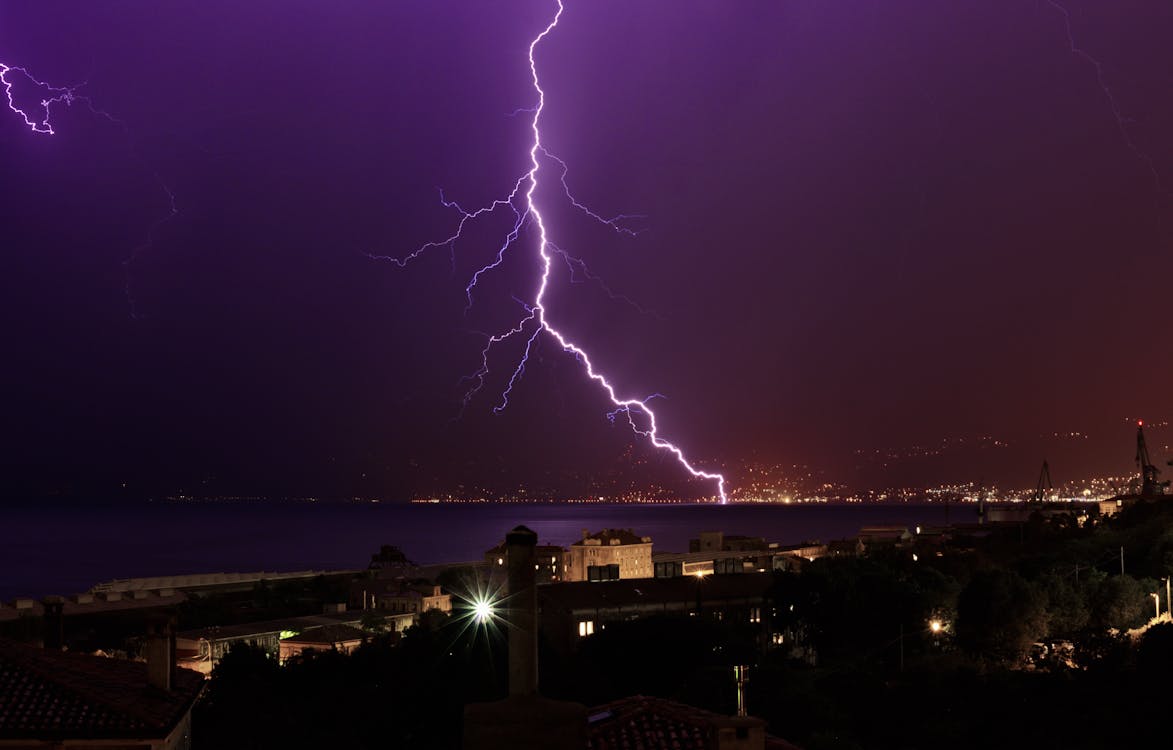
936,626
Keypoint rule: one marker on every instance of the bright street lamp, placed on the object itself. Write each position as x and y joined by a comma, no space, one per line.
482,610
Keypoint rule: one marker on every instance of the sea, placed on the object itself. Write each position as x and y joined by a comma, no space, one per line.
67,550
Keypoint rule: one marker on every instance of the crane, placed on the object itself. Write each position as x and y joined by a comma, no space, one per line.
1150,486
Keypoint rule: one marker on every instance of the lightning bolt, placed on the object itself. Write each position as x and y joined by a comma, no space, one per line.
52,95
1113,103
536,321
42,123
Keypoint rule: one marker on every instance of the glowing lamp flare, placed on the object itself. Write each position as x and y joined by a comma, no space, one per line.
482,611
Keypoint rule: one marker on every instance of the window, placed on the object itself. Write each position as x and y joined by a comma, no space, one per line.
585,628
603,572
755,614
669,569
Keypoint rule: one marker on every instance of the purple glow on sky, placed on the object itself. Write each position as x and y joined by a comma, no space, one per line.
861,231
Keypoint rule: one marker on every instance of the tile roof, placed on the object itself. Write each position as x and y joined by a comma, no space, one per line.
641,723
53,694
647,723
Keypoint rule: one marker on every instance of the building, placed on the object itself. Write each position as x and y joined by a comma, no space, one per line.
525,719
55,699
715,552
549,561
396,596
341,638
610,554
845,548
570,611
718,541
392,563
202,649
874,538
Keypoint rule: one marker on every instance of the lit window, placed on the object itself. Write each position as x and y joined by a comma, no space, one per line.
585,628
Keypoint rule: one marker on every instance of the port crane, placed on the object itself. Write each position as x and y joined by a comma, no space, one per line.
1150,486
1045,489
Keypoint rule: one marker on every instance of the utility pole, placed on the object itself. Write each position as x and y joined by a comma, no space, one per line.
1121,561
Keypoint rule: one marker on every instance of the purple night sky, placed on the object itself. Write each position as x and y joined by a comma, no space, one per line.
868,226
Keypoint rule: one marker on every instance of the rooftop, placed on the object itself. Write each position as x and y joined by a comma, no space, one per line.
612,536
647,723
245,630
329,635
631,592
63,695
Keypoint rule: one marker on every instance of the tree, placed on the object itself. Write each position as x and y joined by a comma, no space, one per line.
373,621
1119,602
1067,605
1000,614
1154,655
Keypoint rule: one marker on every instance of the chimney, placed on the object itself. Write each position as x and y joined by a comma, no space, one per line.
524,720
523,612
54,622
159,651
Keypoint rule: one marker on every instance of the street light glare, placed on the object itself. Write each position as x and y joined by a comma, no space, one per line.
482,610
935,626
